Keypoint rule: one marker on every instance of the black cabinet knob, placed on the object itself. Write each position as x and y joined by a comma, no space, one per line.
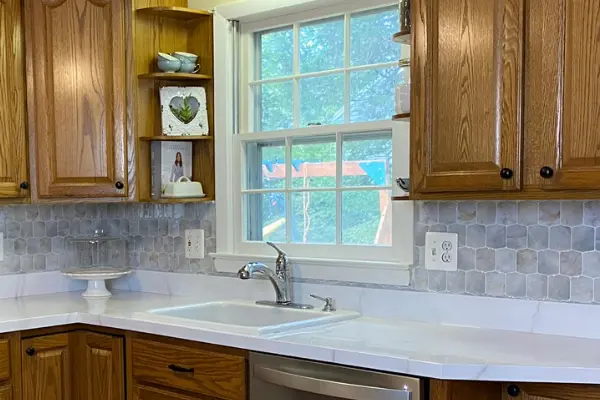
506,173
24,185
546,172
30,351
513,390
119,185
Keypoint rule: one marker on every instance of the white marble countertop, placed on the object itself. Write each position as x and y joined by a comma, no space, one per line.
415,348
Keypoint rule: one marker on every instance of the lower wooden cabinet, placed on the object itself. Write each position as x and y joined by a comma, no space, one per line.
151,393
6,392
46,367
73,365
550,391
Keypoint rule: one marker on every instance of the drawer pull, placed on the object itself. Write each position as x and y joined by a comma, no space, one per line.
177,368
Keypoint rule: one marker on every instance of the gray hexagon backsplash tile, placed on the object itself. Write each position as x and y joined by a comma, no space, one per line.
546,250
35,234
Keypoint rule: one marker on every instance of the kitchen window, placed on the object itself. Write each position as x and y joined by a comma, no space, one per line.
314,158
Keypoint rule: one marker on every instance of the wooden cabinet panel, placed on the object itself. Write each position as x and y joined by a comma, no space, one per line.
100,366
189,369
551,391
150,393
77,97
466,95
46,368
563,93
6,393
13,145
5,359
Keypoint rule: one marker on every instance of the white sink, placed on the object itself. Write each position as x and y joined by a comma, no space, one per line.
246,317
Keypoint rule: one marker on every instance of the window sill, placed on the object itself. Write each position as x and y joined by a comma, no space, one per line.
371,272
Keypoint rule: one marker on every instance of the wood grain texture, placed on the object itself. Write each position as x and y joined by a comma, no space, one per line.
467,67
13,131
151,393
573,135
464,390
181,13
47,373
77,97
101,366
214,374
5,359
551,391
6,392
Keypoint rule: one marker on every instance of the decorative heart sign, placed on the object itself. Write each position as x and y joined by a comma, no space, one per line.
185,108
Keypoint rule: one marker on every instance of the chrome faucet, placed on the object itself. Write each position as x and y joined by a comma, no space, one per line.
280,279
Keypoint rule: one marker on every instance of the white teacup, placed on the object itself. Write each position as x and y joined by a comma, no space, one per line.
186,57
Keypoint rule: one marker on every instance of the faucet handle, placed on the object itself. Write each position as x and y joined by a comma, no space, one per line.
277,249
328,307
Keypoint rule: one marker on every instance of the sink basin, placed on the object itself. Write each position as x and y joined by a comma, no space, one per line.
247,317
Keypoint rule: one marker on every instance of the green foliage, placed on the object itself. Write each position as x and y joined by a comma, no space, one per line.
185,114
321,48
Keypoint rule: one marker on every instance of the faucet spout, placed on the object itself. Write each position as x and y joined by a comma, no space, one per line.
280,282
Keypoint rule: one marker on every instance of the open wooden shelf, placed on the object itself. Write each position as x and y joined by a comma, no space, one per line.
401,117
183,200
181,13
174,76
402,37
174,138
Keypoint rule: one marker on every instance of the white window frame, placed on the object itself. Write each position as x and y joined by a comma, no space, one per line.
385,261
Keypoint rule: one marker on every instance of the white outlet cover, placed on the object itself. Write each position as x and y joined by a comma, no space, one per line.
441,251
194,243
1,246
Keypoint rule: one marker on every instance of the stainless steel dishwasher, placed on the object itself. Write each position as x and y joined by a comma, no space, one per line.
281,378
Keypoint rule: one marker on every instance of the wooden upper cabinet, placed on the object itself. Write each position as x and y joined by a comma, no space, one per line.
76,63
46,368
100,366
13,144
562,118
467,69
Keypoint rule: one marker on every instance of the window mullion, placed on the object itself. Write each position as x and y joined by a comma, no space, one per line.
288,185
296,71
338,185
346,66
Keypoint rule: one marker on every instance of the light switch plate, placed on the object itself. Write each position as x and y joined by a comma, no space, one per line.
441,251
194,243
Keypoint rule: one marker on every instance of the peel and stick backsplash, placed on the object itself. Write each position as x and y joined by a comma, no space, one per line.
547,250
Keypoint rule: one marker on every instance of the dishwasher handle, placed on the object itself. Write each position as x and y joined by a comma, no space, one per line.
328,387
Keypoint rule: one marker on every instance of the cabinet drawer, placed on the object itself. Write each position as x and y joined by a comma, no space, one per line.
150,393
199,371
4,361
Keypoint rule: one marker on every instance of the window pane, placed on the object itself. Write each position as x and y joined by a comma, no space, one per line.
276,49
313,217
372,94
275,106
313,162
374,27
265,165
367,217
322,100
367,159
322,45
265,217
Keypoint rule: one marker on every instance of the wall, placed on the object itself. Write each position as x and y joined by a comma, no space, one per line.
534,250
154,234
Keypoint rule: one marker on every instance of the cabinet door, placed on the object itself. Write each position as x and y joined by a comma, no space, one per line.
77,103
550,391
562,118
6,393
46,368
100,366
150,393
466,95
13,145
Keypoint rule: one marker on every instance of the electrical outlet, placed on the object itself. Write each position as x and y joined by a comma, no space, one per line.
441,251
194,243
1,246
